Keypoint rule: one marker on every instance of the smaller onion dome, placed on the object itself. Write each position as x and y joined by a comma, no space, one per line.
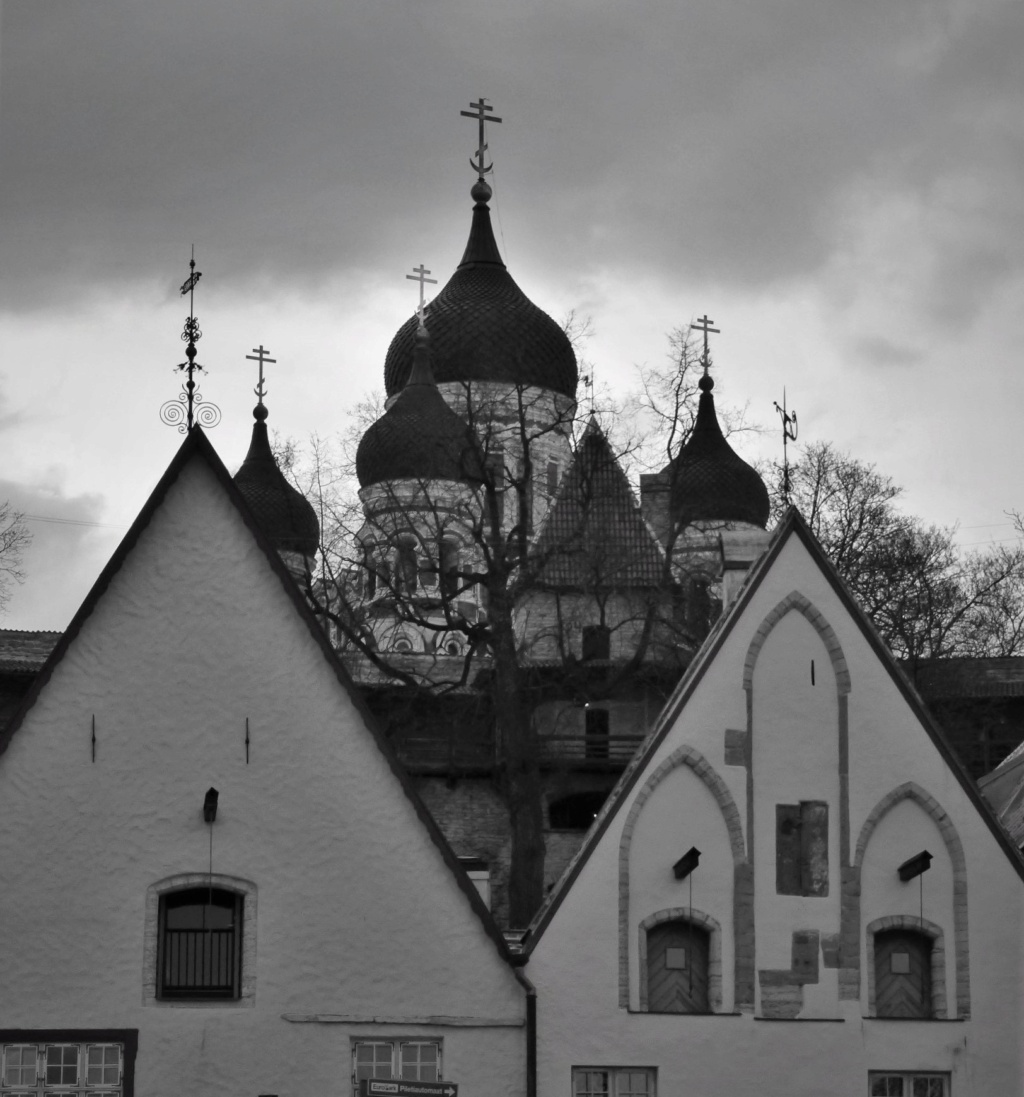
709,480
284,514
419,437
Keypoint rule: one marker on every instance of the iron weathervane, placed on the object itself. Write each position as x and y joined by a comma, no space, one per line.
189,407
789,429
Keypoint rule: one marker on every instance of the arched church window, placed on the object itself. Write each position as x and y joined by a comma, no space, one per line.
406,567
903,973
369,575
449,643
677,967
449,553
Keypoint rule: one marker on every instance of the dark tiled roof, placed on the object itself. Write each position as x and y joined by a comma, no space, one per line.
484,328
419,437
709,480
594,534
284,514
25,652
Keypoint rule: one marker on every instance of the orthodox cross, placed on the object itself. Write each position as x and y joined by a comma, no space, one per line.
704,324
419,274
184,411
479,112
588,380
259,354
788,435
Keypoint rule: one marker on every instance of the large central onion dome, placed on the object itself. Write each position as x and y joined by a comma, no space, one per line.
283,513
419,437
483,327
709,480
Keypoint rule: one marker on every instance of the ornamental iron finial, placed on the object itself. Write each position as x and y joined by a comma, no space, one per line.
259,354
479,112
704,324
190,407
419,274
789,429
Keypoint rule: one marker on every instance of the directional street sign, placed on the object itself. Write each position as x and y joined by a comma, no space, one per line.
378,1087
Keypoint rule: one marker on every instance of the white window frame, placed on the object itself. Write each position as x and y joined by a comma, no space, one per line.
396,1045
615,1077
80,1084
908,1077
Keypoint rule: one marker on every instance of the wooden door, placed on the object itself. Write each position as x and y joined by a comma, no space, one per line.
903,974
677,968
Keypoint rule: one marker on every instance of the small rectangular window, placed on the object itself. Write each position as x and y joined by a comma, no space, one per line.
907,1084
200,944
597,642
596,727
801,848
552,477
410,1060
613,1082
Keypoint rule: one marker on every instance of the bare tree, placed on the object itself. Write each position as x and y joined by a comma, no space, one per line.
14,539
927,598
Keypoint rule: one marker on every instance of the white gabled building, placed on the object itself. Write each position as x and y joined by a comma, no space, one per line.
788,959
303,925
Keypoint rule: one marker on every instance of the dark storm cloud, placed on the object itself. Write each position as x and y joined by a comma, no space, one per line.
718,140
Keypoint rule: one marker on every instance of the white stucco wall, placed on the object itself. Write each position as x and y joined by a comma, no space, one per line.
795,726
358,915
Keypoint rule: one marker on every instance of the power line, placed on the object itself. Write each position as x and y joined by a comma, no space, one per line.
72,521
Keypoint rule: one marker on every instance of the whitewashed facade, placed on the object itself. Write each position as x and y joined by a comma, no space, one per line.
793,961
353,937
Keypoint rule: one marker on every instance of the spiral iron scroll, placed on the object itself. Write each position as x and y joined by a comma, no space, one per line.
174,413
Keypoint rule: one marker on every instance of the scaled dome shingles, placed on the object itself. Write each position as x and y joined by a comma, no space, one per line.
419,437
709,480
282,512
484,328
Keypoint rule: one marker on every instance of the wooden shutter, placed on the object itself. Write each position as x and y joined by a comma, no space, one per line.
674,989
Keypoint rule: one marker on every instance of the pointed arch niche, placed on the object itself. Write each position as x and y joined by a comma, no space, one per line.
909,790
742,904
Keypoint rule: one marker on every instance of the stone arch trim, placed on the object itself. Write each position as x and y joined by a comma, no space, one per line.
245,888
910,790
683,756
796,601
697,918
938,964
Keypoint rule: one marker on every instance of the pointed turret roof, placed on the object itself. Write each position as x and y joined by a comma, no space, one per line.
419,437
483,327
709,481
284,514
594,534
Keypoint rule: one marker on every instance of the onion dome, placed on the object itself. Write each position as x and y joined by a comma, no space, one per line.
284,514
419,437
483,327
709,481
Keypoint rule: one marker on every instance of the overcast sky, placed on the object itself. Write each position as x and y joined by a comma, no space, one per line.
840,186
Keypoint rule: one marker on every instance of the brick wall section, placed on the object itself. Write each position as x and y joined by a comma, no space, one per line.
911,791
743,913
782,993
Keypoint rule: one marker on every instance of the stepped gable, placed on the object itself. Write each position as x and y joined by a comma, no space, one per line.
284,514
709,481
594,531
483,327
419,437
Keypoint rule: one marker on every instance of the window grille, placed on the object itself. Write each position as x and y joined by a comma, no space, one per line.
200,943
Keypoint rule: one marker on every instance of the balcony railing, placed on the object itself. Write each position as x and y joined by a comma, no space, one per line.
199,961
589,750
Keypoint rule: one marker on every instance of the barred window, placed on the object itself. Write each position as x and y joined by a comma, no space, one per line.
200,944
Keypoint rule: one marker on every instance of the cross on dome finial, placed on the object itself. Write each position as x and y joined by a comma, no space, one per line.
189,406
704,324
419,274
479,112
259,354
